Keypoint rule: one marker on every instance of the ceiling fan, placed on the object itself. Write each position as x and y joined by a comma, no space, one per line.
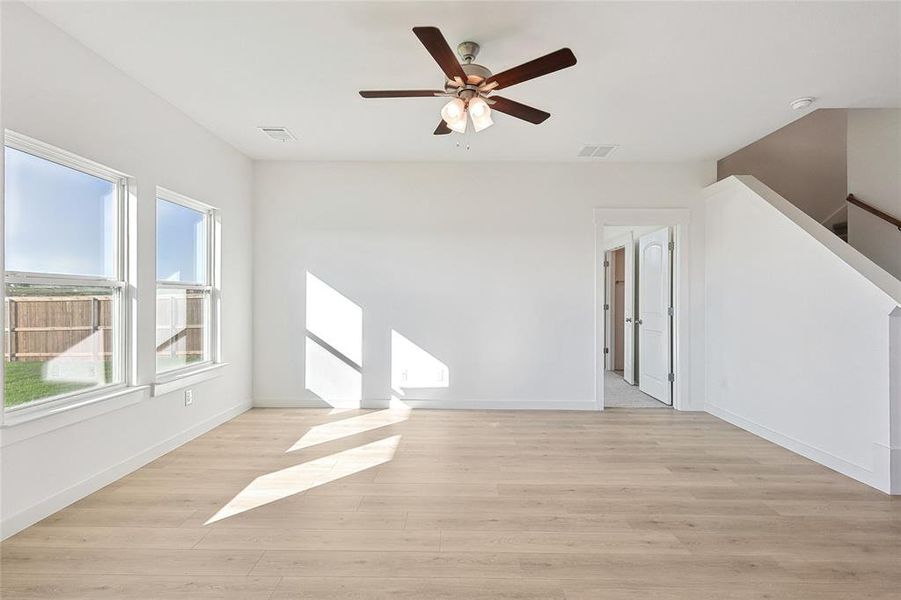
471,86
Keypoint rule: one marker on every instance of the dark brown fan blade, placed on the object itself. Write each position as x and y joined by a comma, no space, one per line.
437,46
442,128
549,63
400,93
520,111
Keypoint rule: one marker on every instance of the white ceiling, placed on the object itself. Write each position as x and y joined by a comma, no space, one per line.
664,81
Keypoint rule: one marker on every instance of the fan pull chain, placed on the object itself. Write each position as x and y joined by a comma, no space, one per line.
464,144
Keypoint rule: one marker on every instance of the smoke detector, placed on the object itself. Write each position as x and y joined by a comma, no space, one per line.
279,134
801,103
596,150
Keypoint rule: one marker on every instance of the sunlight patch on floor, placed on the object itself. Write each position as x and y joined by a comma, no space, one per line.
336,430
299,478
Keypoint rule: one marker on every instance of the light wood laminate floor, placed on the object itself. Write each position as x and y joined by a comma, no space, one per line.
323,505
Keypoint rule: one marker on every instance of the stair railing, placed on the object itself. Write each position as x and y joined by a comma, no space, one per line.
874,211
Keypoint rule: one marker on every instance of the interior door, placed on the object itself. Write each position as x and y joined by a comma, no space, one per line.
654,301
629,313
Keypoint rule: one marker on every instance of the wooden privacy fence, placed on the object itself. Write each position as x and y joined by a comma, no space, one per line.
40,328
43,327
179,325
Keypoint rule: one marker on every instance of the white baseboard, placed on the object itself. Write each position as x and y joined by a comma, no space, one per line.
502,404
19,521
877,478
378,403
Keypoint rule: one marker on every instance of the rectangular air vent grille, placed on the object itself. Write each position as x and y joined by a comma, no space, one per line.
279,134
596,151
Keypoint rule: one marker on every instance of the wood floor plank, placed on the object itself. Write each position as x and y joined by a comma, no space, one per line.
105,516
274,516
710,590
48,536
136,587
470,565
526,521
660,569
350,540
127,561
608,542
368,588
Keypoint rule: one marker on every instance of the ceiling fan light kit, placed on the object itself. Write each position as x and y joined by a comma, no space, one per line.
480,113
454,114
470,86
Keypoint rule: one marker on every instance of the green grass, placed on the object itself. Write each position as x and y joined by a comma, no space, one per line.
170,363
24,382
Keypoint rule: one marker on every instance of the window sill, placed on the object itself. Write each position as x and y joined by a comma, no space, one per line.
181,379
21,426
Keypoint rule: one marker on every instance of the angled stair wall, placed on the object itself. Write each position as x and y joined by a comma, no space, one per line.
803,334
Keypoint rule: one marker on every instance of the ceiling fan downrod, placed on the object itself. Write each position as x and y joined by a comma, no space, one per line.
468,51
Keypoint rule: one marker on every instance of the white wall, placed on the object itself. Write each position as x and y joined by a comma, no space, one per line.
797,332
489,268
56,90
874,176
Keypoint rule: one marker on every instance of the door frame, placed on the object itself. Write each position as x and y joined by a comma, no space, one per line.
609,330
626,243
679,220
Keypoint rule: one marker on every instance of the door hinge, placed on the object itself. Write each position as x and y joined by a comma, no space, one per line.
671,377
606,263
671,311
606,307
672,246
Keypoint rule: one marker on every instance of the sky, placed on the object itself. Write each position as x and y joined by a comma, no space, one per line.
180,243
60,220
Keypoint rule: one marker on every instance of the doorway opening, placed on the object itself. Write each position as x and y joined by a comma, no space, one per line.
641,333
638,304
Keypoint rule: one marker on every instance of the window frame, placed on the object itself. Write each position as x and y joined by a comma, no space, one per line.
210,285
122,359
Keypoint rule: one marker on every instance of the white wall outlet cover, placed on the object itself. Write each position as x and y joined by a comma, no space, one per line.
189,397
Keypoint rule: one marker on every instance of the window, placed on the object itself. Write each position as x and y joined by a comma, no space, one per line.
64,275
186,301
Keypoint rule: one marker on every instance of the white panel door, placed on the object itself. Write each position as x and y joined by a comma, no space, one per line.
629,314
654,297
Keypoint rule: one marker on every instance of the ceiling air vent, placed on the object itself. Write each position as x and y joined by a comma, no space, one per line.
279,134
596,151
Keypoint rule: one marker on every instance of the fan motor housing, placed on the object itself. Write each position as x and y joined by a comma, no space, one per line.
475,75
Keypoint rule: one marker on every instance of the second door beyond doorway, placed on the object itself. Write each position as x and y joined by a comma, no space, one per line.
654,315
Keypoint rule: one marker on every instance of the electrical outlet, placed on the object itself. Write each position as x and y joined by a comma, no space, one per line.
189,397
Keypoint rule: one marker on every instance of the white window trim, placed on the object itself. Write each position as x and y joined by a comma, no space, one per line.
164,380
170,381
122,347
55,154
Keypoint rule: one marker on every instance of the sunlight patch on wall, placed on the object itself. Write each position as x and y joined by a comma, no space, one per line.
330,378
413,367
299,478
334,319
336,430
333,362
